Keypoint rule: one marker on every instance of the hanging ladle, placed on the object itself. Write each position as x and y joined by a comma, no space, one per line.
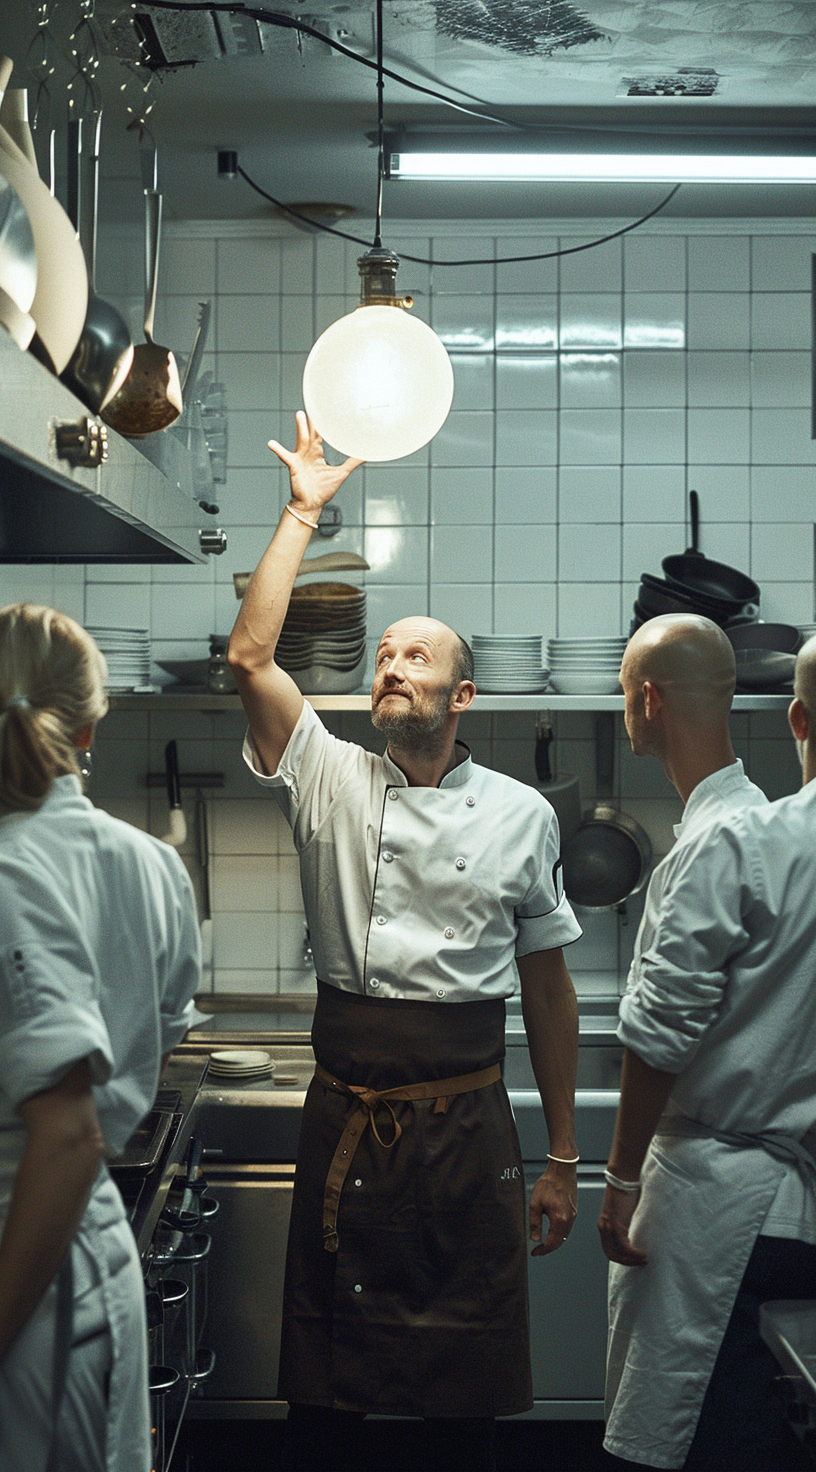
103,356
150,397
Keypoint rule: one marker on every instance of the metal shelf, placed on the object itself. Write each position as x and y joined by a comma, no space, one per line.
361,700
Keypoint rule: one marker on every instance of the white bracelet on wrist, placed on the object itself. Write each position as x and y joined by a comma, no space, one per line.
298,517
559,1159
620,1185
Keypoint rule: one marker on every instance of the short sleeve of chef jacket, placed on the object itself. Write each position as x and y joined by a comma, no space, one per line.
545,919
312,767
50,1017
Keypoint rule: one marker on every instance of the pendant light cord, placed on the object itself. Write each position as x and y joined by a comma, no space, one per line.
380,129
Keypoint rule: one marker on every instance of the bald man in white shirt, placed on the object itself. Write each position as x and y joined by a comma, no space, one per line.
709,1208
430,885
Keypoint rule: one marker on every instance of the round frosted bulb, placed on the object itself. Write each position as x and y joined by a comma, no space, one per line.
378,384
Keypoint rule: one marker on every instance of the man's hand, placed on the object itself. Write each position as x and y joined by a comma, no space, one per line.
314,482
555,1195
613,1224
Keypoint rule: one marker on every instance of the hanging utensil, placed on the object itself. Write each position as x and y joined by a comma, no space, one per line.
329,562
561,791
193,366
150,397
697,573
103,356
61,298
608,857
177,832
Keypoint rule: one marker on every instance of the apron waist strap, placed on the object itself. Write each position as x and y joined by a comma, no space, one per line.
368,1101
781,1146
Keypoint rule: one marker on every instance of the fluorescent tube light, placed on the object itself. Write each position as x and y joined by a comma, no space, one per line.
605,168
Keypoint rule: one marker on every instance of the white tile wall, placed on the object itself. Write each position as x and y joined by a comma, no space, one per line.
592,392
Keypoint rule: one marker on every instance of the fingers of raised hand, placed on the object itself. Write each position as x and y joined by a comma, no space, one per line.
282,453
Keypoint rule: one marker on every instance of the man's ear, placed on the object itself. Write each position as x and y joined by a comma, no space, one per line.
798,719
463,696
652,701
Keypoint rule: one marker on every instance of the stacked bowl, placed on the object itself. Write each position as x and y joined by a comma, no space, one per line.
322,643
586,666
508,665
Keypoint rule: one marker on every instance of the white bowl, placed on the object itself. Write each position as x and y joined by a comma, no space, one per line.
584,684
319,679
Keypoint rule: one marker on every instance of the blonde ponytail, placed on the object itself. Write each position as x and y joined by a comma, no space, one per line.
52,685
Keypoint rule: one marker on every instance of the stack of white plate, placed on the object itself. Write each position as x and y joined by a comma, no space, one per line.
322,644
127,652
508,665
241,1063
586,666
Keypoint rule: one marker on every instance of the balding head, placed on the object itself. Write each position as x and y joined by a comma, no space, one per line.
442,639
687,658
804,680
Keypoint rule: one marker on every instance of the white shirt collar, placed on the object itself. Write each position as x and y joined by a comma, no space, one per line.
716,785
457,777
63,790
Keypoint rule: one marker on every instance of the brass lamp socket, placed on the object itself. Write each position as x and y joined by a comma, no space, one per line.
378,279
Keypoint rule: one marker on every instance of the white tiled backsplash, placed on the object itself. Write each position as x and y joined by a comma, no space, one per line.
592,393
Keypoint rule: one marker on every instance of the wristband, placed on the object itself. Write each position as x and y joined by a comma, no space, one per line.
618,1184
298,517
559,1159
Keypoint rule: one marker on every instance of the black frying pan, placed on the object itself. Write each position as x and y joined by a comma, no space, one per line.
697,573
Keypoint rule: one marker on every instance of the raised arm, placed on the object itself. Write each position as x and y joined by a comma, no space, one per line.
269,696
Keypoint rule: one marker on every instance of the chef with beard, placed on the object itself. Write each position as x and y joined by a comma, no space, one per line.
430,886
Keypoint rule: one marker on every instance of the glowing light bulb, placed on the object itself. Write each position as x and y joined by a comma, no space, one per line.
378,384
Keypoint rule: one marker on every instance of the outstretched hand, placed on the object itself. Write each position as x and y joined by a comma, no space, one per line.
313,480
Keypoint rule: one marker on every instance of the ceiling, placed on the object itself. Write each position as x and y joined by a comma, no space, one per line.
300,115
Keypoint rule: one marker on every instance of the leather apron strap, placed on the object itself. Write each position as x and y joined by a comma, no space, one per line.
368,1101
63,1325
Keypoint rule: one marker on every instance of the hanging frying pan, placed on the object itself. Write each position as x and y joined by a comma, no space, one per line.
18,266
609,857
102,358
697,573
61,298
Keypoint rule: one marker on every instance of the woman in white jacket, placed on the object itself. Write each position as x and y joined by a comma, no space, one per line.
99,960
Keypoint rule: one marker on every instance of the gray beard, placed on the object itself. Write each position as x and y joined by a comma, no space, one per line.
416,733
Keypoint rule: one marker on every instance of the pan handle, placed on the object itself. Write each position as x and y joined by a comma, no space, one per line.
544,736
694,509
153,215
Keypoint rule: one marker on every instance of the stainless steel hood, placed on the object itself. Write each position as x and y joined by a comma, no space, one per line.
54,509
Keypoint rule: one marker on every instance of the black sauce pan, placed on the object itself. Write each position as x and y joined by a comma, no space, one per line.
609,857
697,573
658,595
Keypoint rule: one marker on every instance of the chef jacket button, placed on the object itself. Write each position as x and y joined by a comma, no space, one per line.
358,1287
449,932
393,794
381,920
470,801
373,983
441,992
460,864
387,856
358,1182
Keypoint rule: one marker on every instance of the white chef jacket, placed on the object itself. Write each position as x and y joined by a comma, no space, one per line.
420,892
720,990
99,959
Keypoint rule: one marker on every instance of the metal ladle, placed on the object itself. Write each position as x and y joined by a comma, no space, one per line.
150,397
103,356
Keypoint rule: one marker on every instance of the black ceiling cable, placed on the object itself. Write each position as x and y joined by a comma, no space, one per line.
289,22
480,261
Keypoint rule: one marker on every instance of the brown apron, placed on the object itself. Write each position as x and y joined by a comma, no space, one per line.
422,1309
